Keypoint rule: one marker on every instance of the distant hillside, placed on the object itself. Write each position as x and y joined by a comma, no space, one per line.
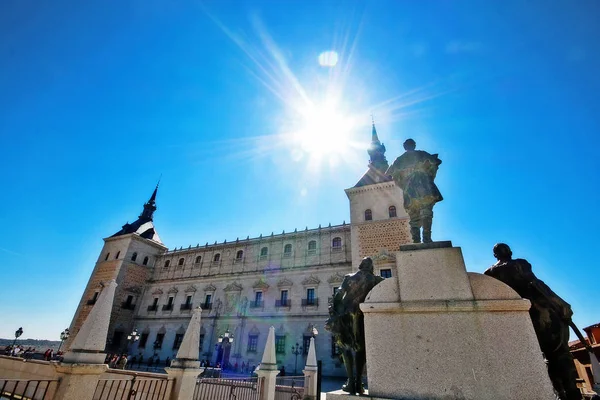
40,345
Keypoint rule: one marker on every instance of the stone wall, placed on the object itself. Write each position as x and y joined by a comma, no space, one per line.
382,236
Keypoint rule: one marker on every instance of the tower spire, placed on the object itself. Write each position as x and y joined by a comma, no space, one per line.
150,206
376,150
374,138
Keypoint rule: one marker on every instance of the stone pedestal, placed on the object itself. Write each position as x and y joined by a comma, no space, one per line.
434,331
184,374
78,381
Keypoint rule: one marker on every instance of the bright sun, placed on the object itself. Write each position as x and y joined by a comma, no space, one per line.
324,130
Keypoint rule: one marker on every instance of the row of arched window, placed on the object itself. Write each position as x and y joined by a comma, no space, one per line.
336,243
369,213
133,257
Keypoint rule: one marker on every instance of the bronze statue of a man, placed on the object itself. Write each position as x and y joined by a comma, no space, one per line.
414,172
346,322
550,315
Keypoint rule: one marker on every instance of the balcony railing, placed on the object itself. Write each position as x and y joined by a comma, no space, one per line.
153,307
186,306
257,304
287,255
283,303
310,302
206,306
167,307
312,252
336,249
127,306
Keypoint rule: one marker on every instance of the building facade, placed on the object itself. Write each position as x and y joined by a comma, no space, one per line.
283,280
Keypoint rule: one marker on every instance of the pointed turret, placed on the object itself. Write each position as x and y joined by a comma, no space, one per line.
150,206
143,225
377,152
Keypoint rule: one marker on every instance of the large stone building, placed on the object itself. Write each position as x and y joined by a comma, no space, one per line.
245,286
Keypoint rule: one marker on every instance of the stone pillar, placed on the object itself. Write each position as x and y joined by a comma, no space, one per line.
310,372
84,362
185,368
267,371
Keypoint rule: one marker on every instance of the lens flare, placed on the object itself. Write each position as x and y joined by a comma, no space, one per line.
328,59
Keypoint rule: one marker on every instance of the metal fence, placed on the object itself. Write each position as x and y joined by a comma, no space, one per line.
228,389
289,388
133,389
12,389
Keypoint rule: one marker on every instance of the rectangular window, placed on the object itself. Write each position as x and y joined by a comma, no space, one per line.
310,295
280,344
170,302
159,340
258,297
306,345
155,302
208,299
129,300
284,297
252,343
201,343
385,273
177,341
188,300
143,340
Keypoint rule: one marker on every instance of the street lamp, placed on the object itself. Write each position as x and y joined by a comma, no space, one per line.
18,333
226,339
133,336
64,335
296,350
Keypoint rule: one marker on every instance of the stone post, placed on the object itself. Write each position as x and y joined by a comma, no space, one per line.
185,368
84,362
267,371
310,372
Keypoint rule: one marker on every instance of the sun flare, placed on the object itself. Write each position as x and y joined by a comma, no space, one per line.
324,130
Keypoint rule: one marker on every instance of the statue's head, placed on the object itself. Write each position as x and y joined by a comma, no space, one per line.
366,265
409,145
502,252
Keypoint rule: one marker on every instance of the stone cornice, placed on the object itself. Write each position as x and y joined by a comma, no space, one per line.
368,188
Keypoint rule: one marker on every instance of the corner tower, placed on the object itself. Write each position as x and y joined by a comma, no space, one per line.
128,256
379,223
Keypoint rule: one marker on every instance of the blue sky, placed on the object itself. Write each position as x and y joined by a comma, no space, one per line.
226,100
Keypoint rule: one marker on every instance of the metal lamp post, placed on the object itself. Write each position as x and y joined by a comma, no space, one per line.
134,336
64,335
226,339
296,350
18,333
